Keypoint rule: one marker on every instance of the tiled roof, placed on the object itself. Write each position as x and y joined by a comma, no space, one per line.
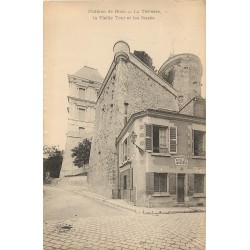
90,74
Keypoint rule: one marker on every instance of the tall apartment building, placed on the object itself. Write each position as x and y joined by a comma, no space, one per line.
84,88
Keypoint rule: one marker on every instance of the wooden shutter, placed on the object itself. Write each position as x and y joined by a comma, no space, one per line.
173,140
172,183
150,183
192,142
149,135
190,184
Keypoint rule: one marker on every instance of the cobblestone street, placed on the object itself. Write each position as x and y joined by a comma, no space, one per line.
124,230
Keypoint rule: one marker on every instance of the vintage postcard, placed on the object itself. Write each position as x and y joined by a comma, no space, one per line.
124,162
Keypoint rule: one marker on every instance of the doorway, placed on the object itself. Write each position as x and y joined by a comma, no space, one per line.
181,190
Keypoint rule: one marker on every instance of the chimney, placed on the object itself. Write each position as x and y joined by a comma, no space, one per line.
125,113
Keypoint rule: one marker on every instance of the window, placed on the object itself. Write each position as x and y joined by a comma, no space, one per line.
125,182
81,93
180,99
161,139
199,183
125,149
126,179
81,114
199,143
160,182
81,131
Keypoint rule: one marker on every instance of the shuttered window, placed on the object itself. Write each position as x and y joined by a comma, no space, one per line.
173,140
149,134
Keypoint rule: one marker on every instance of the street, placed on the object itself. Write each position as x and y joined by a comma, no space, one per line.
72,222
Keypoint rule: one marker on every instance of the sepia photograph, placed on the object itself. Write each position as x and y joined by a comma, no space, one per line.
124,116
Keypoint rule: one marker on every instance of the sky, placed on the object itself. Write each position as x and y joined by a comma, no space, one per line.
75,36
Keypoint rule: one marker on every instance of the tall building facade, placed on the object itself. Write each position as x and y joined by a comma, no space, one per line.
129,89
84,88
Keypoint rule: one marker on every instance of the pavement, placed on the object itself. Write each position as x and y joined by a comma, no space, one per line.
74,219
119,203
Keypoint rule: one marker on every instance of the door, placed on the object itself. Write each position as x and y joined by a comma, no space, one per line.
180,194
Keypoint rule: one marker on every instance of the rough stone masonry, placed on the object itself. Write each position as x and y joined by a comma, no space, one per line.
129,85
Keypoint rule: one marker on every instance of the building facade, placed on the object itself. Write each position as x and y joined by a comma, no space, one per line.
129,87
162,159
84,87
148,144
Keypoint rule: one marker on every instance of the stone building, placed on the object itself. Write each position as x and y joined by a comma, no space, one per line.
184,73
84,87
129,89
162,159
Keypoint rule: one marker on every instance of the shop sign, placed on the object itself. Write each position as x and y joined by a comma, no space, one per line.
181,161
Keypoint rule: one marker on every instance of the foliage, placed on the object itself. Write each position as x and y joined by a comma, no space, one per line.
52,161
145,58
81,153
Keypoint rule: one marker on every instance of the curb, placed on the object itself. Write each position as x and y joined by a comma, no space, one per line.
136,209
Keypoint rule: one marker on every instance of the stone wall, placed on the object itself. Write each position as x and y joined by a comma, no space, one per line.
185,71
128,81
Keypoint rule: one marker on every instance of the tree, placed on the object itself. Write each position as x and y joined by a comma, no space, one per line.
52,161
81,153
145,58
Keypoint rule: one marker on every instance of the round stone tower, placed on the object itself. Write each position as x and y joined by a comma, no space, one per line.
184,73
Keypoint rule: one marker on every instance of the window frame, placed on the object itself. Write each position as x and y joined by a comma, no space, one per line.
162,128
160,186
196,190
203,143
80,130
125,150
79,112
125,182
149,139
84,90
